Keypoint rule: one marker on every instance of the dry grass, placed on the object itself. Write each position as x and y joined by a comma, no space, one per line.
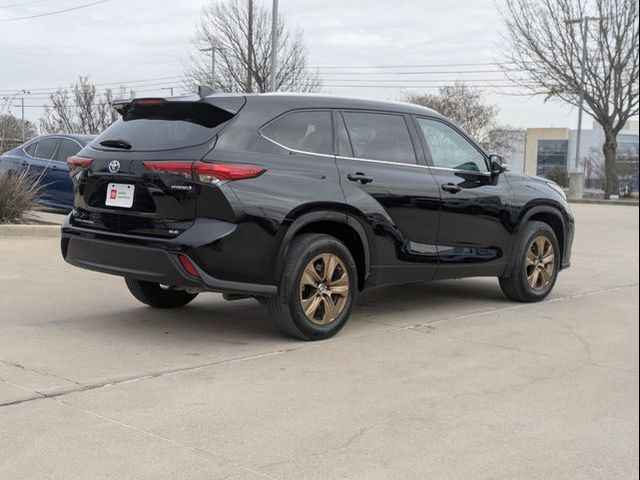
18,195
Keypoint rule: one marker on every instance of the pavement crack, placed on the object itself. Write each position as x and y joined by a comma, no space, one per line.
586,345
163,438
40,372
344,445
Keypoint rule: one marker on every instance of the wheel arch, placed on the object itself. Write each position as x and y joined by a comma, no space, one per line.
340,225
553,217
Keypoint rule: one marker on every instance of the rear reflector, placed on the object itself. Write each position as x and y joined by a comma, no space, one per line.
188,266
79,162
211,173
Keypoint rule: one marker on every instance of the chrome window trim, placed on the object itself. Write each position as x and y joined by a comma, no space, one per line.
386,162
293,149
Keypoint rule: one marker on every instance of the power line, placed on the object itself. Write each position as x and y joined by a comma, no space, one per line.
56,12
431,65
43,90
20,4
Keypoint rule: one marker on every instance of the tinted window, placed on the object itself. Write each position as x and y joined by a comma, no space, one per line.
449,149
67,149
46,148
31,149
304,131
165,126
380,136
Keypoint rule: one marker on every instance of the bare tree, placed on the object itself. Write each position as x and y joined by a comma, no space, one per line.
546,44
11,131
80,109
465,106
240,33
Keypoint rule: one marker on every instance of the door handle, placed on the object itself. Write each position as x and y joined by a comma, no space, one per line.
359,177
451,188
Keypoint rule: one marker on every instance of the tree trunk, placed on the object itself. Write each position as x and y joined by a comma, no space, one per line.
611,185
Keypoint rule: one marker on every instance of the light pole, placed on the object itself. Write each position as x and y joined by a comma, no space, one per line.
23,92
274,46
170,90
584,23
212,49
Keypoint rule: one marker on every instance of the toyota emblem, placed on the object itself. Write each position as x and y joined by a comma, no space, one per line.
114,166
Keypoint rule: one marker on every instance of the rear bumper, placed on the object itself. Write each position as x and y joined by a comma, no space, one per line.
152,260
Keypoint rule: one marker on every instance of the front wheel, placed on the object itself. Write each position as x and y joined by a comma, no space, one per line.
317,288
156,295
536,264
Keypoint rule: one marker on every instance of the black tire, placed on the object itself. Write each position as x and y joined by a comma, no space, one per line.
154,295
286,309
515,284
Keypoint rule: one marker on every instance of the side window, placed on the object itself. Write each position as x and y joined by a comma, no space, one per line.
307,131
449,149
380,136
31,149
344,146
67,149
46,148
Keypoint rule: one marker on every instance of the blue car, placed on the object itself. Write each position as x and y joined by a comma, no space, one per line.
46,157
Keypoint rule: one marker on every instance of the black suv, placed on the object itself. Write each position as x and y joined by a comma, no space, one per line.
302,201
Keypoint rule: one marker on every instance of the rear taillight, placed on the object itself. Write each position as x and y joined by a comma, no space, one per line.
79,162
177,168
221,172
209,173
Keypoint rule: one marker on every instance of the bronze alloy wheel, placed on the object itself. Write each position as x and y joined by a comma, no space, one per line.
324,288
540,263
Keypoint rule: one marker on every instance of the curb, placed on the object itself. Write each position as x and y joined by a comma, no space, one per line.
30,231
626,203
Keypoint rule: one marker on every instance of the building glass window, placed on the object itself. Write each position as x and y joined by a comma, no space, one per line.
552,154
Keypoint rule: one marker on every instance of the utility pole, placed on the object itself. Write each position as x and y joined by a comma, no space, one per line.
584,26
23,92
211,49
170,90
249,86
274,46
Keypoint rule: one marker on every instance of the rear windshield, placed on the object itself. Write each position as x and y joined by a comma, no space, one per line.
166,126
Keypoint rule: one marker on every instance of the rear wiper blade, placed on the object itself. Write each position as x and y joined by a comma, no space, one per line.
116,144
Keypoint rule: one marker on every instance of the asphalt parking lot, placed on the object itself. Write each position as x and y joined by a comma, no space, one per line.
441,381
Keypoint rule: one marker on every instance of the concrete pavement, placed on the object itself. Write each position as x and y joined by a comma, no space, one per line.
441,381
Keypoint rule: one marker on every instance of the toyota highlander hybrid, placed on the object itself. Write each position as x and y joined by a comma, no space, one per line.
302,202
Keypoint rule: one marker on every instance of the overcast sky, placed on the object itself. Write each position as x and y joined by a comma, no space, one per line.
128,40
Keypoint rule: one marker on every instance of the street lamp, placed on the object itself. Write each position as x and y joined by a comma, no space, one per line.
584,22
213,64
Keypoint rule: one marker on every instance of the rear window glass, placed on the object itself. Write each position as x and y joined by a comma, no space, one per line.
308,131
166,126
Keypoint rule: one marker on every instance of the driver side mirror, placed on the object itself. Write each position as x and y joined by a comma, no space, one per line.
497,164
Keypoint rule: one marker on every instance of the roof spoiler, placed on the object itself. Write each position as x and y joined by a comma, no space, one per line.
230,103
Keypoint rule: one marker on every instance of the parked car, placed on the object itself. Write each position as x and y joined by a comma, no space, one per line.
46,157
303,201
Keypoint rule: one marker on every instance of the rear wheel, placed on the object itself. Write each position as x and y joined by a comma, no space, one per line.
536,264
317,288
159,296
